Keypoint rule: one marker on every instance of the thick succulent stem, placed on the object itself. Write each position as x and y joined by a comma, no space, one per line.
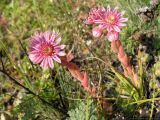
76,73
123,58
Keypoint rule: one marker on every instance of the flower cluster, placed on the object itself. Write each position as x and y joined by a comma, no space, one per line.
112,21
45,49
106,19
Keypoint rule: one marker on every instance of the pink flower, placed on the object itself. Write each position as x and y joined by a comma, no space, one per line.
112,36
107,18
95,15
45,49
96,32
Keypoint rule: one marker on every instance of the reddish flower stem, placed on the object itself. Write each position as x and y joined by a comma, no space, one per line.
77,74
123,58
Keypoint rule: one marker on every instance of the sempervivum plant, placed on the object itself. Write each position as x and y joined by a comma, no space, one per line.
111,21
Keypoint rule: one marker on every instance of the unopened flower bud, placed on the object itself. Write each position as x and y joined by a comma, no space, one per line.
112,36
97,32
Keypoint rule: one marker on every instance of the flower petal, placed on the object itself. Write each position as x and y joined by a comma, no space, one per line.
61,53
38,59
60,47
44,64
57,59
58,40
46,36
116,28
121,24
123,20
50,61
35,58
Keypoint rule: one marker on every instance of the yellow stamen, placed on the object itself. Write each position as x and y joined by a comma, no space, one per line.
110,19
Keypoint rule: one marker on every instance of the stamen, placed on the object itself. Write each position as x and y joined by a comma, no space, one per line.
48,50
110,19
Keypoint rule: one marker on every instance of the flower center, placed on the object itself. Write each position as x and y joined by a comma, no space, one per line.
110,19
48,50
